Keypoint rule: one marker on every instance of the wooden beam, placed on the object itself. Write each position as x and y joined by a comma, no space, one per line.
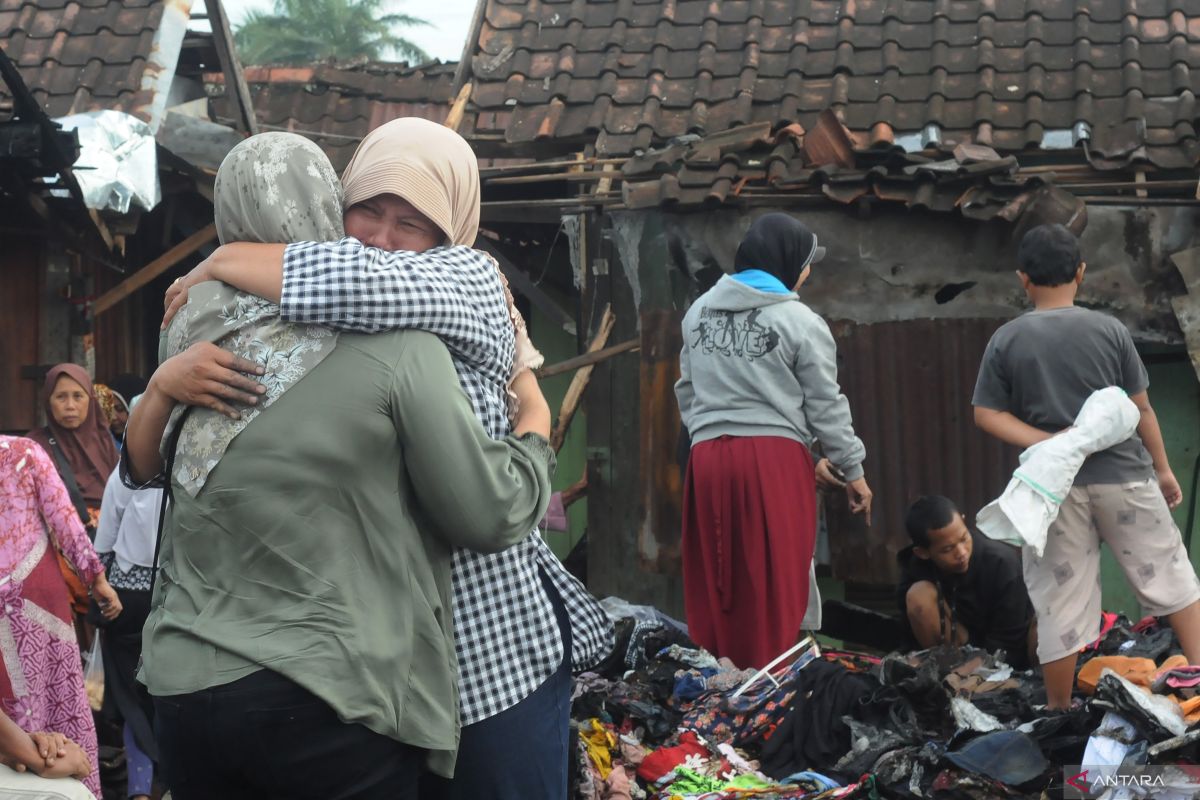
570,403
462,73
101,228
575,492
574,177
587,359
522,283
454,119
231,65
155,268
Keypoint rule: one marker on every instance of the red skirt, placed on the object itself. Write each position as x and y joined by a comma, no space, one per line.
749,529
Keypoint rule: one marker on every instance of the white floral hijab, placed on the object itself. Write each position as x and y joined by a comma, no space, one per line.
273,188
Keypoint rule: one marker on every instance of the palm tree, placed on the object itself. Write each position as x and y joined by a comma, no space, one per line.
304,31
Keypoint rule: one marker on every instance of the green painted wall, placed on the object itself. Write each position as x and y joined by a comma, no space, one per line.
1175,395
558,345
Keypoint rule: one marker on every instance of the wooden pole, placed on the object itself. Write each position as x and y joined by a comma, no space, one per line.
231,65
454,119
587,359
579,383
155,268
576,491
462,73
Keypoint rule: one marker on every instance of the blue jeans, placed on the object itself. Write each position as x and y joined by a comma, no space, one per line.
522,752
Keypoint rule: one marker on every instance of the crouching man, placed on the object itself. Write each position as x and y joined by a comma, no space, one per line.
959,587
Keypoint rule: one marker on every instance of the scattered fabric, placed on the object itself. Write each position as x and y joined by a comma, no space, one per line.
1010,757
599,743
1139,671
942,723
1154,716
662,762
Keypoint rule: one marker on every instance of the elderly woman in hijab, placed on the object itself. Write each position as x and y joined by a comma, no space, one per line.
41,685
78,440
758,388
304,591
523,622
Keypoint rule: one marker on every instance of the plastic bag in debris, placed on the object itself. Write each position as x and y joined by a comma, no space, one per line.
93,676
618,609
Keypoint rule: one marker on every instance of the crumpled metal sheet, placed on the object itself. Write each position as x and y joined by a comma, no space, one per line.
118,160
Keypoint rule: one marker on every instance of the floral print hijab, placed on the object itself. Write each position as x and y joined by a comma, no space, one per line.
273,188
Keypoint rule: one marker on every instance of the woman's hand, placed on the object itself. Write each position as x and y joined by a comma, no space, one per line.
533,412
246,266
73,764
205,375
827,477
50,746
177,293
106,598
859,495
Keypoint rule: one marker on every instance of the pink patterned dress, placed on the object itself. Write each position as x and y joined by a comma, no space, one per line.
41,683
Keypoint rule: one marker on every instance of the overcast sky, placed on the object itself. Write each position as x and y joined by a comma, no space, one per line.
442,39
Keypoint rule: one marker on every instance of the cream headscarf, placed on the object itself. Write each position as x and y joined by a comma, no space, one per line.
273,188
427,164
433,169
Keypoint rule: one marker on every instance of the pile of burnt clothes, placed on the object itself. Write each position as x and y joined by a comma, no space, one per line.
662,718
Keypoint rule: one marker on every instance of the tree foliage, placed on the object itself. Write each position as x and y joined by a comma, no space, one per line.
306,31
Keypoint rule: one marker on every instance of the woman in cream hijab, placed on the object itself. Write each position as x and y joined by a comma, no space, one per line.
437,178
522,623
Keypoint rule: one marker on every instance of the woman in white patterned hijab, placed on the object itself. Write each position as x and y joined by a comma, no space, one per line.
271,188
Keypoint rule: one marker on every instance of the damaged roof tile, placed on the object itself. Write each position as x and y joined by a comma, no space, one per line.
336,105
995,72
82,55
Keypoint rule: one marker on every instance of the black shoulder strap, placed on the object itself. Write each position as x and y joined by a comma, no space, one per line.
68,479
168,468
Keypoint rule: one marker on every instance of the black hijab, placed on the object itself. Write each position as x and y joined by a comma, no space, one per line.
779,244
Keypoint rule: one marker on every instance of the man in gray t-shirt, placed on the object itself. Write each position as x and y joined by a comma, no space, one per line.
1043,365
1036,374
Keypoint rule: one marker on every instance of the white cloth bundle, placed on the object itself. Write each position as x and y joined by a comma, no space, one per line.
1024,513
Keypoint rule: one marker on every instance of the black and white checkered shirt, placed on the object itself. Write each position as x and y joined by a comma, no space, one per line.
506,634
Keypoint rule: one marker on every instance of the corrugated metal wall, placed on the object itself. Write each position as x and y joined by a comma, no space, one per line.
910,385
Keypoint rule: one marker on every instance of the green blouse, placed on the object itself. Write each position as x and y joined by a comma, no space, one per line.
320,546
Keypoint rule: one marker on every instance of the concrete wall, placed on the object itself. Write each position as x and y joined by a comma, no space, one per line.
893,265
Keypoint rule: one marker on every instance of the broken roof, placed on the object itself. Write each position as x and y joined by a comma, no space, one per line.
1011,74
89,55
337,104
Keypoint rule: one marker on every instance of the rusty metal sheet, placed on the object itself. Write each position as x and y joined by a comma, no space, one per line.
910,386
661,490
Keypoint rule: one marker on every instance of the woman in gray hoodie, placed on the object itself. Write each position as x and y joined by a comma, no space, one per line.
758,389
